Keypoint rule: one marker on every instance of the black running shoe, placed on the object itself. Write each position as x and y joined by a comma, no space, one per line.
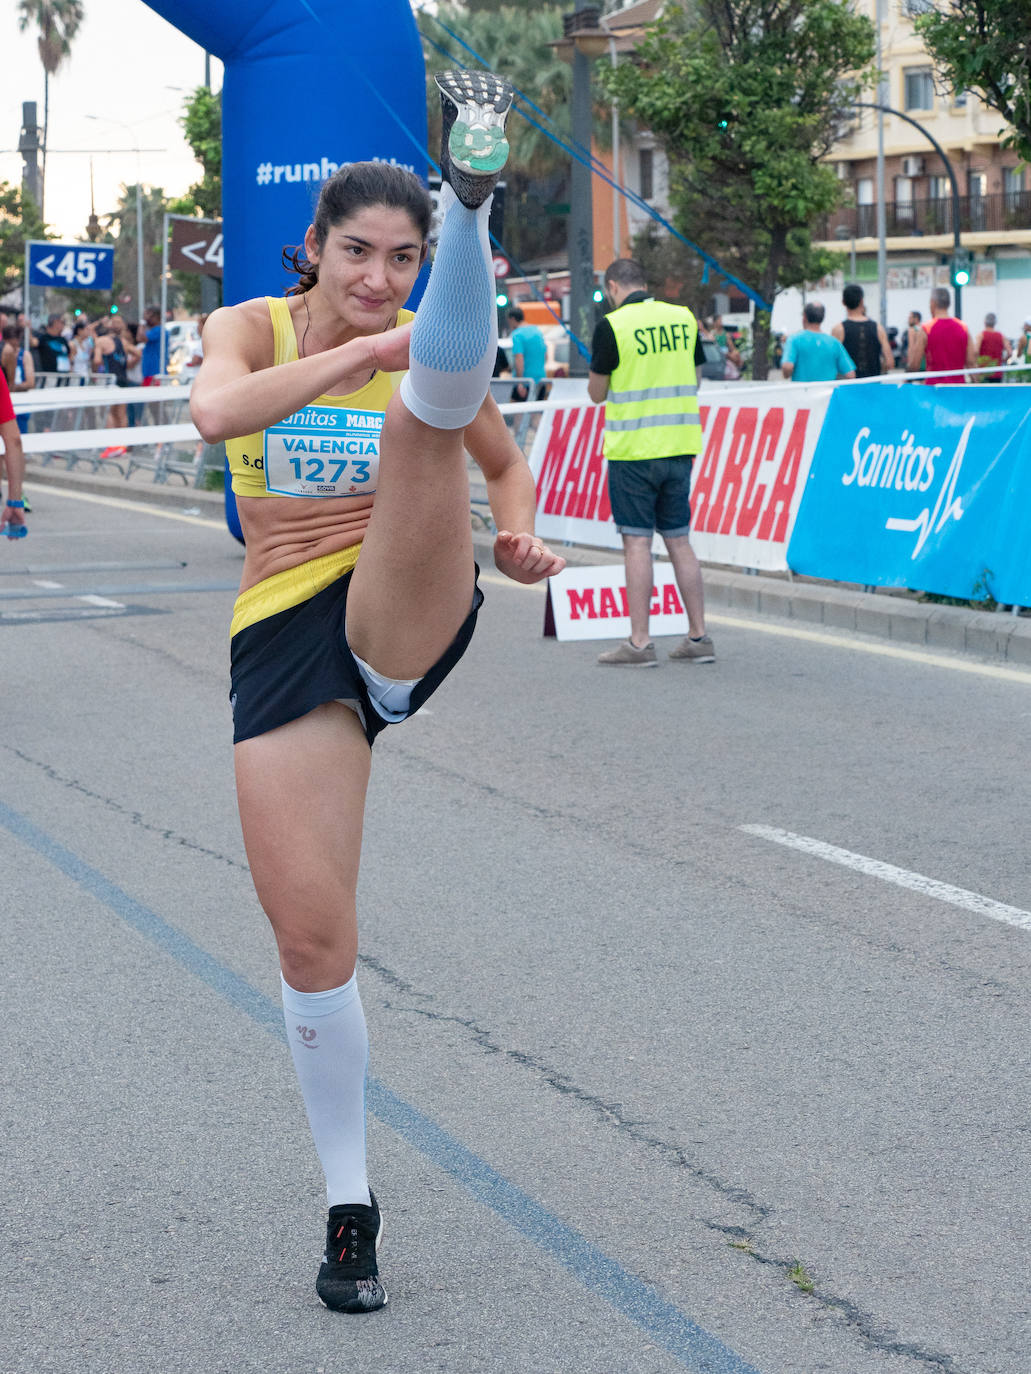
473,146
348,1278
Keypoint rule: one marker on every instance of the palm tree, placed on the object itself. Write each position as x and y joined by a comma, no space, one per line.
515,42
58,22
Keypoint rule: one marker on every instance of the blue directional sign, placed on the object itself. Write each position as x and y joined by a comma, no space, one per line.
70,266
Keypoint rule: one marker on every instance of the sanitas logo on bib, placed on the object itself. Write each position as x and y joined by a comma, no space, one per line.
909,466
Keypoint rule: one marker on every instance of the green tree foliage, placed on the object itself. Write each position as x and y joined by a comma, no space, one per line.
985,46
748,96
121,226
20,221
514,42
201,122
58,22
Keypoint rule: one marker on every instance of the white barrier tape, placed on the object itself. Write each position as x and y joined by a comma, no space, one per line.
133,436
72,398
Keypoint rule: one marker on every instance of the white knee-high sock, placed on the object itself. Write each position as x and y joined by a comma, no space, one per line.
455,335
330,1046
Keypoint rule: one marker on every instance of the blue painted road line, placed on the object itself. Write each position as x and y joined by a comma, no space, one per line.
663,1322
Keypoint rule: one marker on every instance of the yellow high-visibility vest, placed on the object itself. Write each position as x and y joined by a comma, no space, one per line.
651,410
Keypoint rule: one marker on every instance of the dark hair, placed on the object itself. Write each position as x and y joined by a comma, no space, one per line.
814,313
626,272
11,331
852,296
516,314
917,314
354,187
80,324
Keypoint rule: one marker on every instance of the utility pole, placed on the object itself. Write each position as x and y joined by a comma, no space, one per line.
28,146
882,221
583,40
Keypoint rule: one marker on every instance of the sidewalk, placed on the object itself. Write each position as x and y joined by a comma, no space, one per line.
888,614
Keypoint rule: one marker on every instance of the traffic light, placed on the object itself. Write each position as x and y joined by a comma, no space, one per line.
599,295
114,310
501,300
962,267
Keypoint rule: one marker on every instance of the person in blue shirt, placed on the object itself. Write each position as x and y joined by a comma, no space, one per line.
150,337
529,356
812,355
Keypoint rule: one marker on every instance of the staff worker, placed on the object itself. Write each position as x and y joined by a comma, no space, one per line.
643,366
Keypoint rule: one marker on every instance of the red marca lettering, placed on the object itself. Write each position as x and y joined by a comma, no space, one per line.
586,503
778,508
581,603
721,516
607,607
755,491
665,600
549,487
571,501
705,479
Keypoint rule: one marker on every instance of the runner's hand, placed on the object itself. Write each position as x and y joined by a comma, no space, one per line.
524,558
9,516
389,353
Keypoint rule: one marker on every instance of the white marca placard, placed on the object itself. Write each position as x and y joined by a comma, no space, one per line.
324,451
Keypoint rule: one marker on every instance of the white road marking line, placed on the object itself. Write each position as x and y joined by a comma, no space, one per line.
916,882
118,503
89,596
924,656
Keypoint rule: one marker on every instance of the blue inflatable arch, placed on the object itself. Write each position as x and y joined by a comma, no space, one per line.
308,84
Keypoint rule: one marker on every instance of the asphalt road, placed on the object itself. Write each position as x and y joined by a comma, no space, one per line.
650,1090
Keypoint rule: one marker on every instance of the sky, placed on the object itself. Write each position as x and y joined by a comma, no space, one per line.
131,69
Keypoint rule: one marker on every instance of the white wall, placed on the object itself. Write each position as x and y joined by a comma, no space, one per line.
1009,301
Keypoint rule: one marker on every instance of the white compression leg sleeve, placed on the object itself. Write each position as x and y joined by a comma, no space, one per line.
330,1046
455,335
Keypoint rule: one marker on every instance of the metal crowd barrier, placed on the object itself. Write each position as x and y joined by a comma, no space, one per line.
73,424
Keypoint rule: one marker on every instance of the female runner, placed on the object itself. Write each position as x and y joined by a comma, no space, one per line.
329,647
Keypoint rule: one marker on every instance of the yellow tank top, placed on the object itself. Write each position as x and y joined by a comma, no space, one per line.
247,455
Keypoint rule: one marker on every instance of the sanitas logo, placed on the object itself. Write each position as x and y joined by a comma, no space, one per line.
272,173
908,466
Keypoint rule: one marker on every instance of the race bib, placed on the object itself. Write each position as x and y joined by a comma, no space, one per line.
324,451
63,363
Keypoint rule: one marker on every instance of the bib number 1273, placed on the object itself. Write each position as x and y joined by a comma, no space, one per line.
324,451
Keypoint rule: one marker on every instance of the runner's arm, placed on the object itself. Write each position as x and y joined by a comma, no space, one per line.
886,358
513,498
917,349
236,391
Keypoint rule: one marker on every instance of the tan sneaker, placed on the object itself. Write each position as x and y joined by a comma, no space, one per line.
694,651
628,655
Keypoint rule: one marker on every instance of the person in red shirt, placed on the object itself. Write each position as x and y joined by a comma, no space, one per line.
991,347
12,511
946,345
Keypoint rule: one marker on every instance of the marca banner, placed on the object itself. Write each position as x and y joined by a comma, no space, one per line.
590,603
922,487
746,485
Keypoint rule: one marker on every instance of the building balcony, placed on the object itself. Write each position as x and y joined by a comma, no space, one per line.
994,214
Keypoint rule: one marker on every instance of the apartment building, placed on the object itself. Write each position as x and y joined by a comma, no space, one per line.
993,204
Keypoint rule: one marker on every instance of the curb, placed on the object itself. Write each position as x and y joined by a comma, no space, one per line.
889,614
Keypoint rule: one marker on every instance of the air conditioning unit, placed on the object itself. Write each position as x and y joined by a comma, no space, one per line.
912,166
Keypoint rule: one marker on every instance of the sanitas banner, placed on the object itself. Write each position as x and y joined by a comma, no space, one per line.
922,487
746,484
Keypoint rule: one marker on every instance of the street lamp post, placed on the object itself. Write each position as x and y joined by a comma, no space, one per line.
582,41
957,240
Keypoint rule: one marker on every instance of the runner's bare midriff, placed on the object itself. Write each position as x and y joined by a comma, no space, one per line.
284,532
